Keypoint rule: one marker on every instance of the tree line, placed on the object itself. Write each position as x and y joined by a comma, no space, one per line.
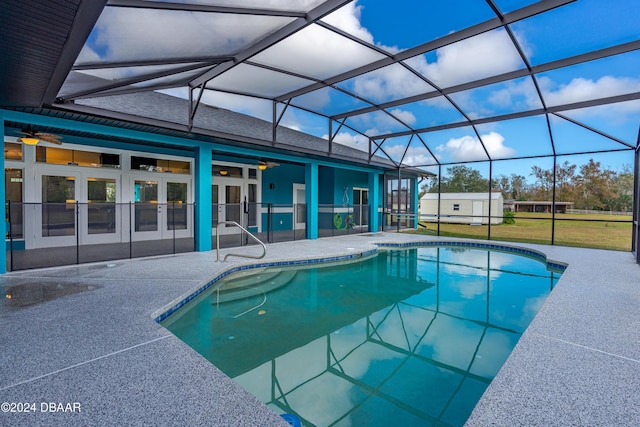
589,186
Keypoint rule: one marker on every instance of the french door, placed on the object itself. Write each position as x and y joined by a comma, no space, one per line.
227,196
360,207
76,207
299,207
161,208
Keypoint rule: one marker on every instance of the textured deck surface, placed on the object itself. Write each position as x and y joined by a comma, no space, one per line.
85,335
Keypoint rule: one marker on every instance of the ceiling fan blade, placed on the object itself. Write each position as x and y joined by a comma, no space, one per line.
47,137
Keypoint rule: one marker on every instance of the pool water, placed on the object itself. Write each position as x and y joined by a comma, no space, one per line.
407,337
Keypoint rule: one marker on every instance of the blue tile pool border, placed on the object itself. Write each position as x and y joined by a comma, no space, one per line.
552,265
238,268
537,255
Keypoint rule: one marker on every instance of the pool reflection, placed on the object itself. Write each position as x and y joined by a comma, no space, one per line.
408,337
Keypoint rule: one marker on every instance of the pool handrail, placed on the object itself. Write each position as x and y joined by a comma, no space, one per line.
264,247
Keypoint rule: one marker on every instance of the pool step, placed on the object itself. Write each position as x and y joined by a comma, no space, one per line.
250,285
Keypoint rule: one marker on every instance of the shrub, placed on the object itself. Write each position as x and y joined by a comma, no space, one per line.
508,217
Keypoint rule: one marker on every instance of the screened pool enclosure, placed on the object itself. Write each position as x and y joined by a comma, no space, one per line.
538,100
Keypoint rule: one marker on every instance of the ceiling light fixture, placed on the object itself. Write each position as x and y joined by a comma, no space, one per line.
223,172
28,140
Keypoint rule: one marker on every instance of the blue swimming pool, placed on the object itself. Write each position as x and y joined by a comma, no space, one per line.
405,337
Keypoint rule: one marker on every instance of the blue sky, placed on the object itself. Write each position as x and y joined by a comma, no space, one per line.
319,53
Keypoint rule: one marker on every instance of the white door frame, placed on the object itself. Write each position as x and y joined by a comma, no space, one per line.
81,220
297,224
162,231
222,183
357,204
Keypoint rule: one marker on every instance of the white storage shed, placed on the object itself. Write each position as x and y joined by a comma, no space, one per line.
462,208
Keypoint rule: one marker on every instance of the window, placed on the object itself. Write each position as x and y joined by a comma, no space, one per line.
12,151
101,210
160,165
60,156
226,171
253,206
456,207
13,195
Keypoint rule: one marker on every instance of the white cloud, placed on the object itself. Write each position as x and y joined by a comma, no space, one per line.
259,108
415,155
129,34
469,148
392,82
357,141
314,100
617,114
407,117
581,89
347,18
317,52
381,122
471,59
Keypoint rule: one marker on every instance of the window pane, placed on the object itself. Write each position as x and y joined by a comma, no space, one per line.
58,206
253,206
177,205
226,171
12,151
146,205
232,193
101,207
151,164
61,156
13,194
214,205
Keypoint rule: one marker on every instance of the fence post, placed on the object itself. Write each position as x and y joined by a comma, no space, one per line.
269,223
130,232
173,224
77,227
10,236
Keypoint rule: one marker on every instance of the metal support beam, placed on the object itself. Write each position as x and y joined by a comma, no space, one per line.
298,24
85,19
635,244
144,4
3,209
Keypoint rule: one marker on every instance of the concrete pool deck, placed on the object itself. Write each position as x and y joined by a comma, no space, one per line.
85,336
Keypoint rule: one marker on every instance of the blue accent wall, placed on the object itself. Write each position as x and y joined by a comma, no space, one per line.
345,178
282,177
326,177
203,214
311,175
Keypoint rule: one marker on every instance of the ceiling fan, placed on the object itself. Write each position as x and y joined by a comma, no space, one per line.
31,137
262,165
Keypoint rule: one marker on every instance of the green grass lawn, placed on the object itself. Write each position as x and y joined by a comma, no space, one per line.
589,231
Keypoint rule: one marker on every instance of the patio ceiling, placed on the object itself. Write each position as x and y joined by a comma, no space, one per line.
422,83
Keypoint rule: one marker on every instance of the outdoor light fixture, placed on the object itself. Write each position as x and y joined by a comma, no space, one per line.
262,166
29,140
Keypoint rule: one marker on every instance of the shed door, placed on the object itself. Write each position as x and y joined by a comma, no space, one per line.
477,212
